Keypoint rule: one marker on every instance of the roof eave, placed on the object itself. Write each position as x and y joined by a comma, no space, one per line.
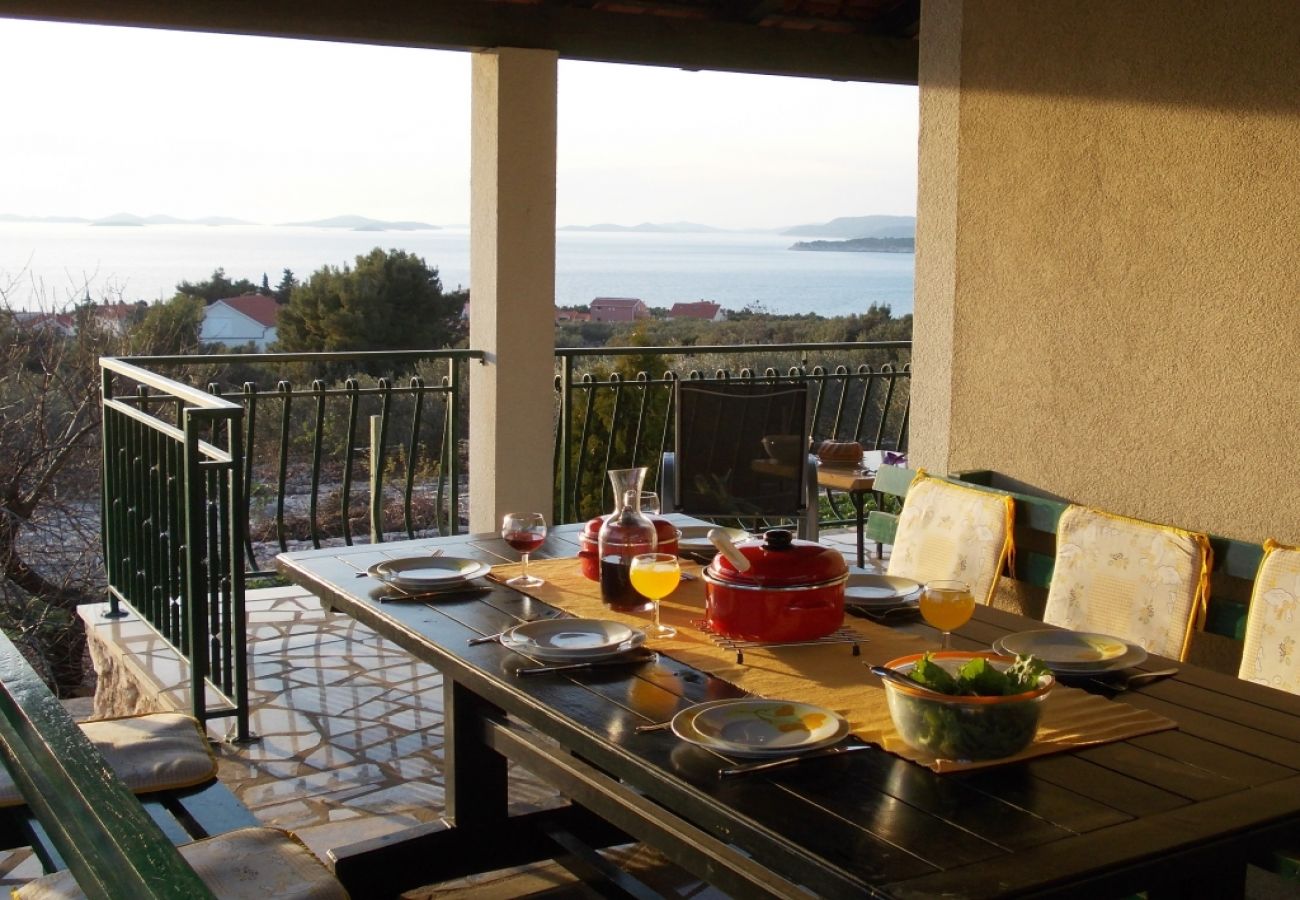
579,33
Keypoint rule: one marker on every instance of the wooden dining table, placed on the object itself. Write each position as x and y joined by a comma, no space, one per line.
1176,813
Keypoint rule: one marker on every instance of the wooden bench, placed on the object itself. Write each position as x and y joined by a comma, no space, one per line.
1235,562
80,816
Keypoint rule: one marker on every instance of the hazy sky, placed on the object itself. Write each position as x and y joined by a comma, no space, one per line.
104,120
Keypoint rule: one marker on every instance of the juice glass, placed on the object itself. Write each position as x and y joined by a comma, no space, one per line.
946,605
656,575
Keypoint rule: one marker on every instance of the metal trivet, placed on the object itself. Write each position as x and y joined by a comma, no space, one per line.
842,635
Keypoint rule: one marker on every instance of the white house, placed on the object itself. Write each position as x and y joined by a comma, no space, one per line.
235,321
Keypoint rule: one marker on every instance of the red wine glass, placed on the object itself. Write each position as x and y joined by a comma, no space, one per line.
525,533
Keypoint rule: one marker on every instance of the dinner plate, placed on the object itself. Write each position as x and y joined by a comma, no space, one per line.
427,571
573,639
1073,652
695,538
879,591
759,728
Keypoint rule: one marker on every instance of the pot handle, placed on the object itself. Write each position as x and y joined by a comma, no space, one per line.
719,539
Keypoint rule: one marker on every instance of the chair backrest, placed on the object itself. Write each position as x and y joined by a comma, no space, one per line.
1143,582
953,531
1269,655
723,467
890,481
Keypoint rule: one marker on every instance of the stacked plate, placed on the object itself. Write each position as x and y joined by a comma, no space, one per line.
1073,652
573,640
693,540
429,574
877,593
759,728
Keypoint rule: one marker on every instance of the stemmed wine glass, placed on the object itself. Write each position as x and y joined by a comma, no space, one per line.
946,605
525,533
656,575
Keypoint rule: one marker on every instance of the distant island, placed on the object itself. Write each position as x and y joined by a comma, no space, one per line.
859,227
861,245
127,219
647,227
361,223
130,219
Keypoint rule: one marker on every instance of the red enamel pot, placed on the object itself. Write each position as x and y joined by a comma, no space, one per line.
775,589
589,545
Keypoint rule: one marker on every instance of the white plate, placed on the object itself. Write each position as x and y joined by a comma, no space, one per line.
880,591
1073,652
759,728
695,538
427,571
573,639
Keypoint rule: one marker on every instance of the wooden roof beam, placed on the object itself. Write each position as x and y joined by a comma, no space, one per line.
575,33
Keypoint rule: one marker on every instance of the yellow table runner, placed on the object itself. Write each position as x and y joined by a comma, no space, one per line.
829,675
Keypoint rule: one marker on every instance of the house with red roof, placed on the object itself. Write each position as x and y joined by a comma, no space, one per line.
54,323
618,309
246,319
572,315
700,309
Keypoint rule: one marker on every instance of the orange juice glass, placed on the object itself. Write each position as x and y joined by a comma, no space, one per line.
946,605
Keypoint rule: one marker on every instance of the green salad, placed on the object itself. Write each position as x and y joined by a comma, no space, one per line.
980,678
970,731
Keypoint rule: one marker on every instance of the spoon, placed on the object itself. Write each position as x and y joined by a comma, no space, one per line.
899,678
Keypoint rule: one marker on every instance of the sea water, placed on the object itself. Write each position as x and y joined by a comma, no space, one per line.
50,265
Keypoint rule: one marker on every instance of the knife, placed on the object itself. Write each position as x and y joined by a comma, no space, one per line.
594,664
791,760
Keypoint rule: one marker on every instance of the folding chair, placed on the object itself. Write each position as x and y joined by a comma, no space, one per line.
742,453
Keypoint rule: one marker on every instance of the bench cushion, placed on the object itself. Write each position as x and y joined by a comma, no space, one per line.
155,752
949,531
252,863
1143,582
1273,623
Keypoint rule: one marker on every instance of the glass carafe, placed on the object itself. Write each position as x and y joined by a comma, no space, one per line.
624,534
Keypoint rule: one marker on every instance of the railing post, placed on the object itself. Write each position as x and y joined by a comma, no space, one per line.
106,490
566,434
451,461
193,607
376,483
238,538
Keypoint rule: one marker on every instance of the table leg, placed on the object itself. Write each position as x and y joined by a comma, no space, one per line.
476,780
859,500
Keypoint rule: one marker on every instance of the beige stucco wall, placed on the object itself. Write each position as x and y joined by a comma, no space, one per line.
1108,290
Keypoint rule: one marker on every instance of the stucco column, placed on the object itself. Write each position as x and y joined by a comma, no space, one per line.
512,283
934,319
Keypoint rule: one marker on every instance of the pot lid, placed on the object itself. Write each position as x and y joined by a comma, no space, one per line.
776,559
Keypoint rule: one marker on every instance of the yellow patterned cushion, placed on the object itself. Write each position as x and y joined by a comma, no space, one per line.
1136,580
155,752
248,864
948,531
1273,624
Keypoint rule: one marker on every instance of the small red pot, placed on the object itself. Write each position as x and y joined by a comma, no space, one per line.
791,591
588,545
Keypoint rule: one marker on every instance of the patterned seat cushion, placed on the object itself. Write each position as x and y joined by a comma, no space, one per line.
248,864
948,531
155,752
1273,624
1136,580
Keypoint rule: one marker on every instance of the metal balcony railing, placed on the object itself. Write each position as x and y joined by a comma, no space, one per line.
209,472
212,464
613,413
